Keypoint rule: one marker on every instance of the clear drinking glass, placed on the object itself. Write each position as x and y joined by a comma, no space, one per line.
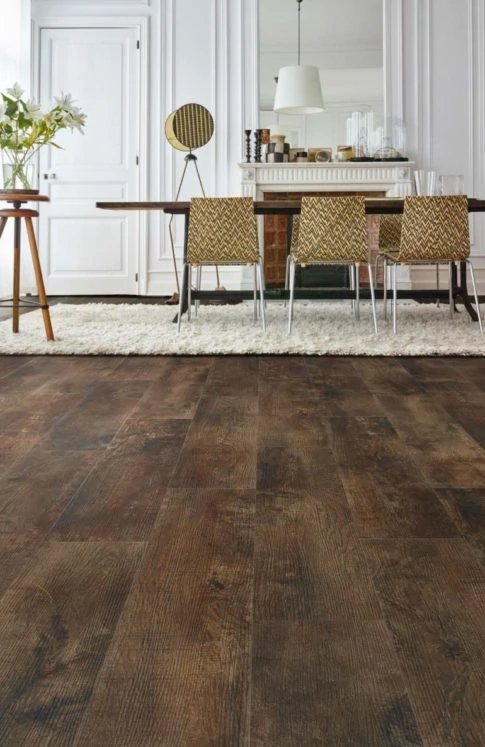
451,184
426,182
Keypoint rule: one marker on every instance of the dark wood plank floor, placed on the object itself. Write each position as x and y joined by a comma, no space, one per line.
242,552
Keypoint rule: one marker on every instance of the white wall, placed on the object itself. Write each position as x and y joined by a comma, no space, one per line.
444,97
207,51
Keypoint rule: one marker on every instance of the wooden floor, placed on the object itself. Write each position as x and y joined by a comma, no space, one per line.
257,552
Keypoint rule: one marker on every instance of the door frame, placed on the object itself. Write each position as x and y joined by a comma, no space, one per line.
46,20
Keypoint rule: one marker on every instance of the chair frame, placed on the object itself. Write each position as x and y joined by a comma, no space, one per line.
218,261
354,267
395,260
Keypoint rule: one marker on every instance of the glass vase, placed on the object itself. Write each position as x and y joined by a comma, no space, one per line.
18,172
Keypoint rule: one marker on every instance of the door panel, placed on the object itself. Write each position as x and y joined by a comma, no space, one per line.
84,250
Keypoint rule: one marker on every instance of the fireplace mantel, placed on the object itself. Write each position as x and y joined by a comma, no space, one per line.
391,177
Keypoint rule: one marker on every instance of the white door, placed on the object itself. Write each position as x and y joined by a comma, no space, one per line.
84,250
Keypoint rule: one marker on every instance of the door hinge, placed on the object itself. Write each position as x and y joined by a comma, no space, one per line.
138,44
136,277
137,160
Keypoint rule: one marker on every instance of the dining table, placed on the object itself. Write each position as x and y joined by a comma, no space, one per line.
290,208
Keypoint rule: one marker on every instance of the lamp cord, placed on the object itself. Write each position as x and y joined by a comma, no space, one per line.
299,11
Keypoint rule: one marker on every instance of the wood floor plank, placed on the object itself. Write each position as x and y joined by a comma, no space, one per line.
58,374
387,375
324,670
233,375
209,529
370,446
445,453
13,363
37,488
382,483
328,684
433,597
97,418
182,647
221,445
177,394
305,547
121,497
468,409
293,445
56,624
34,414
467,509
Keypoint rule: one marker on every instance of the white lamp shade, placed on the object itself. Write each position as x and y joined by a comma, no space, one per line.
298,90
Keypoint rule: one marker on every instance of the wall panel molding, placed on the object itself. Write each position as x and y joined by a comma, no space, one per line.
476,76
422,81
393,58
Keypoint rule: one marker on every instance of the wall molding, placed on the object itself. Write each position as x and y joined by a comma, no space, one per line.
422,81
392,37
220,92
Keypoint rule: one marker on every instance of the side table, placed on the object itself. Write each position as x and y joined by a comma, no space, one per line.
18,198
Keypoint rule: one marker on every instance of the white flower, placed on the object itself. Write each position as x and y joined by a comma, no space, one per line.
33,109
65,101
15,92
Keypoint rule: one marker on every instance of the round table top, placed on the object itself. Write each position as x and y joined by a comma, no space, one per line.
18,195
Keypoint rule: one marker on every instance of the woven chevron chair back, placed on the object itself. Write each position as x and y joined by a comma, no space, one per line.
390,232
222,230
332,229
435,228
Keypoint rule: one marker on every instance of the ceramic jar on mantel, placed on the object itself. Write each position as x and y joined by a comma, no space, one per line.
278,150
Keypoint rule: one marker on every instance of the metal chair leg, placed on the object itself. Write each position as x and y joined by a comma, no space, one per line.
372,296
450,289
198,285
352,287
259,273
292,293
189,294
475,294
255,294
357,290
394,297
384,287
181,297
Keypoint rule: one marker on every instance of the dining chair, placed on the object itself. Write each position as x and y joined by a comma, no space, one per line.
332,231
435,231
222,232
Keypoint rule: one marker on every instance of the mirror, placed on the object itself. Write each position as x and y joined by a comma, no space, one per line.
344,39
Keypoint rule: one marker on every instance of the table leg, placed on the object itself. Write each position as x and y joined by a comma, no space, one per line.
462,289
16,276
184,288
39,280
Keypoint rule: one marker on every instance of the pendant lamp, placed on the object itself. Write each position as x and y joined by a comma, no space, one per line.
298,90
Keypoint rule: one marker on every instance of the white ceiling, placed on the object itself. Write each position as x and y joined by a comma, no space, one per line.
324,23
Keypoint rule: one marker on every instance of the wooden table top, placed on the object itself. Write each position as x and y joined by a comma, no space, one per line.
373,205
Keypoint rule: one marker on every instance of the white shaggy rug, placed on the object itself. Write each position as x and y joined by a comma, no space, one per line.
319,328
